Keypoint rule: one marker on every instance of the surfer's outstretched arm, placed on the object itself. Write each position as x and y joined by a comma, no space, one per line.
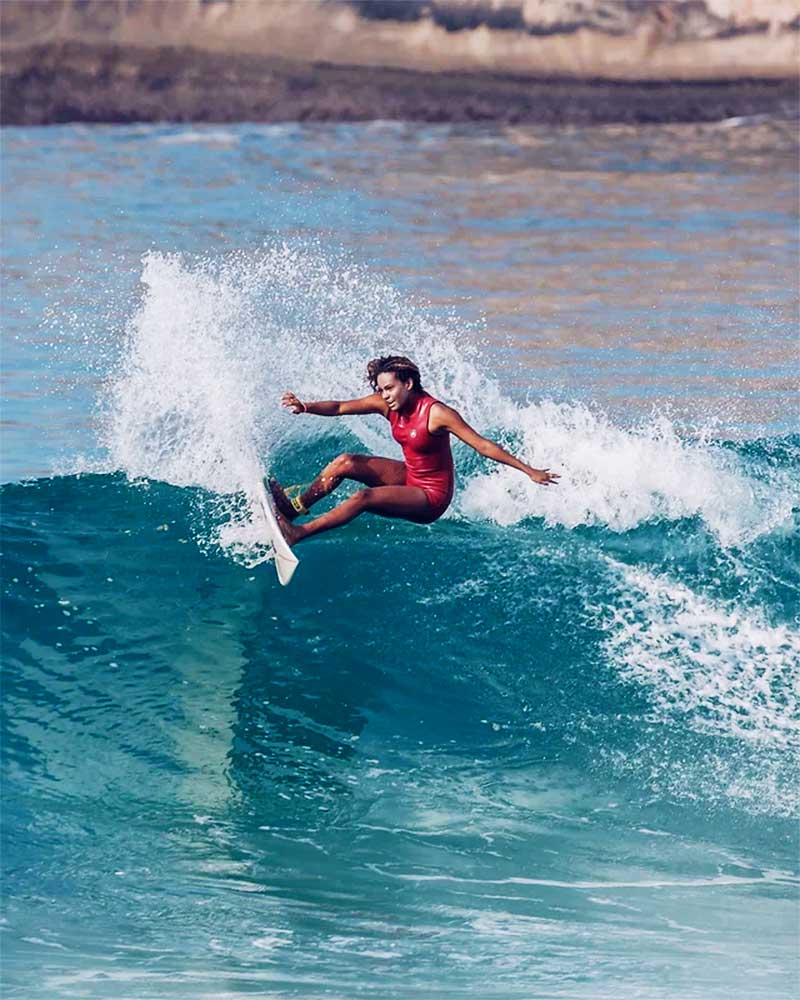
336,408
445,418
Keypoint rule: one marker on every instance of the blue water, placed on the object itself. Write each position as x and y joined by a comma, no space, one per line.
546,747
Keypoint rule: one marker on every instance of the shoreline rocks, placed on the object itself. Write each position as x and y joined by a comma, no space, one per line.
554,61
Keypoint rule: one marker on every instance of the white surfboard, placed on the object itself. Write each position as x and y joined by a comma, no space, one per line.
285,560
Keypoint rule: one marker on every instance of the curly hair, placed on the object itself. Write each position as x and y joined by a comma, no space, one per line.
403,368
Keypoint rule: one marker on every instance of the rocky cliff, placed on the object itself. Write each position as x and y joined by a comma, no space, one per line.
513,60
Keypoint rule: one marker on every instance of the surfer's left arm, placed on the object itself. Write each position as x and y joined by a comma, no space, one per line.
445,418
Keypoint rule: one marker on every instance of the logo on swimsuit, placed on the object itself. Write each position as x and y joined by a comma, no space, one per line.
413,434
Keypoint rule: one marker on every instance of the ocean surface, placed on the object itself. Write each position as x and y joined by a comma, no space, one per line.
544,748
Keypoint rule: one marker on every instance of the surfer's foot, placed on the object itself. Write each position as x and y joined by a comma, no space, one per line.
292,533
282,502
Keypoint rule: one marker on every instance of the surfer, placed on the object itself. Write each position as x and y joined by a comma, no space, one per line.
418,489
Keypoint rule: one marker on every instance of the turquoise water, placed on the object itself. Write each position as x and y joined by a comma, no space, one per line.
546,747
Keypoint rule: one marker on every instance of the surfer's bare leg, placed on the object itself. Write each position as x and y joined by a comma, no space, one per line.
367,469
407,502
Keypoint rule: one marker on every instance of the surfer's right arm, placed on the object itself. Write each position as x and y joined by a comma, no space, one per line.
336,408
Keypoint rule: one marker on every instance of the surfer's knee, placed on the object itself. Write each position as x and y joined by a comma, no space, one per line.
343,465
364,498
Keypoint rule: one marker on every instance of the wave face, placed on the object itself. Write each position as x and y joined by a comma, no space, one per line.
453,760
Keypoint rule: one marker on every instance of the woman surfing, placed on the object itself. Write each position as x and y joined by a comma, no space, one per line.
417,489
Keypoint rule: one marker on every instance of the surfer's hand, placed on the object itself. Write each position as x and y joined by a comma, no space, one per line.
289,400
544,477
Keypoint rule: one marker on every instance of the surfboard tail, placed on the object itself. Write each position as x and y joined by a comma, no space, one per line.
285,567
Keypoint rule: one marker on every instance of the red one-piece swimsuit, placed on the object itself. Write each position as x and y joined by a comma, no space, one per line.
429,461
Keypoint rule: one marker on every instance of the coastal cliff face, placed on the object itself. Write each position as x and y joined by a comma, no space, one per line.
440,60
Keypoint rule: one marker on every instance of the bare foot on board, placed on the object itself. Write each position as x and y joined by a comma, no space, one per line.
288,530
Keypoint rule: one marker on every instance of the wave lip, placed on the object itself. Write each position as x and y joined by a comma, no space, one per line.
195,402
620,478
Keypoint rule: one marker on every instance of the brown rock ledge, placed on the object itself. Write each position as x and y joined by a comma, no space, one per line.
73,81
